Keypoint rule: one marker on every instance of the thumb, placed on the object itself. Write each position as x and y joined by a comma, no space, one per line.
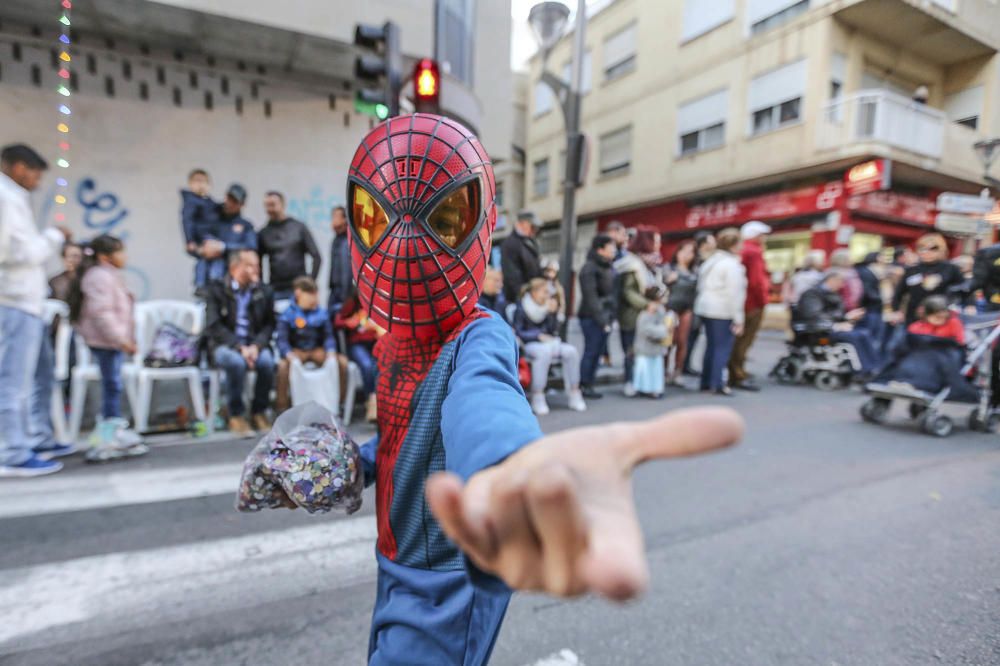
686,432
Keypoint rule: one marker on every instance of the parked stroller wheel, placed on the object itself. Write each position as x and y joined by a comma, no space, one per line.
938,425
788,370
875,410
917,410
827,381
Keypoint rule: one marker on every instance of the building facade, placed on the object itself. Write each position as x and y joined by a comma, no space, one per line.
253,91
702,115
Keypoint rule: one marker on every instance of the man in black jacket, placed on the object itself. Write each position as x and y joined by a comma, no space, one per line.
871,296
285,242
596,312
519,256
821,310
341,275
239,323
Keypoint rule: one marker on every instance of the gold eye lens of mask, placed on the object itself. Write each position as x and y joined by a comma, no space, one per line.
367,216
455,217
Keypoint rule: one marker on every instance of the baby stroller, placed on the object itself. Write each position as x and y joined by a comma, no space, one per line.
981,333
814,358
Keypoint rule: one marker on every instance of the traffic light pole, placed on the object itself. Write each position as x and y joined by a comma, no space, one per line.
394,68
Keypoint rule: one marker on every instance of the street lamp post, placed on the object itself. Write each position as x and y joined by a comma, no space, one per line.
548,22
988,151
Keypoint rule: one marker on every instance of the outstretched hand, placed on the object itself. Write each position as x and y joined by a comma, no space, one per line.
558,516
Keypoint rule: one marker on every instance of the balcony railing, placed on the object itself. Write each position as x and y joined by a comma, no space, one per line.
881,116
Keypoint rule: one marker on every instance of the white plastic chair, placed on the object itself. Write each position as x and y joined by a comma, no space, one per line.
60,372
149,316
85,371
319,384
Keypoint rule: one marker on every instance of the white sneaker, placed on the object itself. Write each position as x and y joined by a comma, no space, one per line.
538,404
630,391
124,435
576,402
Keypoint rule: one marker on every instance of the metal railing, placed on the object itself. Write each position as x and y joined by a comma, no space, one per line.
885,117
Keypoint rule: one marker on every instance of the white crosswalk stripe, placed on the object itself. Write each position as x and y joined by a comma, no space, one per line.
124,591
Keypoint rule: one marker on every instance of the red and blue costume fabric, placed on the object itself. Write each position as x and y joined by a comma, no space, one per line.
421,205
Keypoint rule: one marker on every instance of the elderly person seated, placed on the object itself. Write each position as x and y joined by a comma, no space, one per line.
821,310
238,327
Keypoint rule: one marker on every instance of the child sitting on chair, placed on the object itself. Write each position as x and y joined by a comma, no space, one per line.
304,333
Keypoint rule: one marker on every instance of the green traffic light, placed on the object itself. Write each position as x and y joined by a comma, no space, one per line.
381,111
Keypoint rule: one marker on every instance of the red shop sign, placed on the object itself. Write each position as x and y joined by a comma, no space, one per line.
895,206
870,176
776,205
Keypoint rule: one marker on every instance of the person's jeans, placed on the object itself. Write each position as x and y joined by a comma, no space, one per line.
231,362
20,340
109,361
209,270
693,332
863,345
362,355
873,324
628,340
40,418
719,340
594,340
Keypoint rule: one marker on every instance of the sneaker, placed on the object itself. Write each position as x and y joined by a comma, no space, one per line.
33,466
590,394
55,450
239,427
538,404
260,423
371,409
630,391
123,435
576,402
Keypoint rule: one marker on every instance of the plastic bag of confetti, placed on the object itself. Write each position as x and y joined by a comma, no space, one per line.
307,457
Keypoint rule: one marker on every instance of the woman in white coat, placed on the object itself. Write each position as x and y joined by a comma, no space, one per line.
722,290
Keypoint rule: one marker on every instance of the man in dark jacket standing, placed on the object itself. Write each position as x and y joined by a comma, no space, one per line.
753,235
341,275
519,256
285,242
239,323
871,296
596,312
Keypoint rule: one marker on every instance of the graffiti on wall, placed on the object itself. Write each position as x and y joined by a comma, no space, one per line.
314,208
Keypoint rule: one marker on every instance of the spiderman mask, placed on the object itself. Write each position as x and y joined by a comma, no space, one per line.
421,205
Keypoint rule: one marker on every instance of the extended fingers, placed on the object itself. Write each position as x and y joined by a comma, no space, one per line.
558,521
445,497
686,432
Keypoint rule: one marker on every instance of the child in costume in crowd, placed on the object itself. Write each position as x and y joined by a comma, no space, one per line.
101,307
470,499
648,375
938,321
536,324
305,332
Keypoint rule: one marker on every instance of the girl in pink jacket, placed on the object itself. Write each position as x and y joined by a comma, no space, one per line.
102,309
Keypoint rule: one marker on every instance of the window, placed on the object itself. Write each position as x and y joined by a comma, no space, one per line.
775,98
544,99
498,195
763,15
701,16
701,123
585,78
619,52
616,151
455,31
541,178
965,107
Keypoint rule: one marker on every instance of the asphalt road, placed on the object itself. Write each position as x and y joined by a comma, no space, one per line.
819,540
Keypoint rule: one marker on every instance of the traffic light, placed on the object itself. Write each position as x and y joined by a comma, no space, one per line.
378,70
426,86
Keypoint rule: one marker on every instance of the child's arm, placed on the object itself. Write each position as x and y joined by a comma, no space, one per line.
559,515
284,330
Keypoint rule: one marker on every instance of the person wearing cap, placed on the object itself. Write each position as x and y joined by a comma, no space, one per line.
519,256
753,235
232,232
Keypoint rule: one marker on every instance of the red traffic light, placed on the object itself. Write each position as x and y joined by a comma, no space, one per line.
426,82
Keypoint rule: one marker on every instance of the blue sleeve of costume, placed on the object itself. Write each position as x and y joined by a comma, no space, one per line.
485,416
368,450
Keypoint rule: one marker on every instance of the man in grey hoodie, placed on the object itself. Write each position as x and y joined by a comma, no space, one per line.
23,345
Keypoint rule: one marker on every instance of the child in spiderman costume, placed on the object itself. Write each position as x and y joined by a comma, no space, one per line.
471,499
